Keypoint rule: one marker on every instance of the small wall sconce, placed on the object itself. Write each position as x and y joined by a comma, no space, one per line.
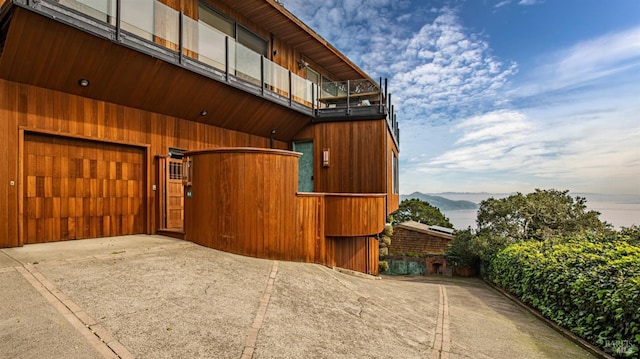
83,82
275,52
325,157
302,64
273,133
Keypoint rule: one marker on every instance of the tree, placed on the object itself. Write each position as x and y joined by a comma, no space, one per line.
540,215
461,251
420,211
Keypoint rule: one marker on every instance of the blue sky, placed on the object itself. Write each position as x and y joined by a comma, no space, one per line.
501,96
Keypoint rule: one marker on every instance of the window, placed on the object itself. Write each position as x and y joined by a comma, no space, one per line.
216,20
313,76
395,183
230,28
252,41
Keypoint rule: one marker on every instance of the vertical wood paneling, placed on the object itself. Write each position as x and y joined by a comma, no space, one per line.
243,201
41,110
355,253
393,199
357,156
354,215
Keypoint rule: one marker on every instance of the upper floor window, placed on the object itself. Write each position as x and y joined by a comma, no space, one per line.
252,41
395,180
232,29
313,76
216,20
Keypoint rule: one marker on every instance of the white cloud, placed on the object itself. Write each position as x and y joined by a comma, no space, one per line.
444,70
586,62
439,70
465,126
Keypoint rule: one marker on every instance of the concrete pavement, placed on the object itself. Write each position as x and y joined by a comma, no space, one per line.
156,297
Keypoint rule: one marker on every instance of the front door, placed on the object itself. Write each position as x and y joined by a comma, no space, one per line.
174,195
305,165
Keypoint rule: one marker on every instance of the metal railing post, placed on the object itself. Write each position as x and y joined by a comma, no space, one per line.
380,96
262,75
118,16
226,55
180,38
290,89
313,97
348,98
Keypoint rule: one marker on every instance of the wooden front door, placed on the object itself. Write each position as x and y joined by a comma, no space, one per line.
174,194
76,189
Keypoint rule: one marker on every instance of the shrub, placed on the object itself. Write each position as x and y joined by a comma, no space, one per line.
588,284
383,266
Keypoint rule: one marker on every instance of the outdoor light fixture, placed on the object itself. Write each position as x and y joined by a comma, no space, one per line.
204,113
83,82
325,157
273,132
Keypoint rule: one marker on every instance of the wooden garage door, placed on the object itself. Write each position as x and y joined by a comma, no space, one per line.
77,189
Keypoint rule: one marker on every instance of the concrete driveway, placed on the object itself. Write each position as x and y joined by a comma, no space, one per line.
156,297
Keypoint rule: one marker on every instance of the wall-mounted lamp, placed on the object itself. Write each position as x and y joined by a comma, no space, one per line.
302,64
325,157
83,82
204,113
273,133
275,52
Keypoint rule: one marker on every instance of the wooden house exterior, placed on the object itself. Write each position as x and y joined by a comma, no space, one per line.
229,123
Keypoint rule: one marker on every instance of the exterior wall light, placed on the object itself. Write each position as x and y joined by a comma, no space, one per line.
273,133
83,82
204,113
325,157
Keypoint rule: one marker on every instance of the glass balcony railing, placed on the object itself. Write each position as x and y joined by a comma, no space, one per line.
162,25
153,24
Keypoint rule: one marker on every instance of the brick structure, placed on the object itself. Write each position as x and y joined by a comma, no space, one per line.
421,240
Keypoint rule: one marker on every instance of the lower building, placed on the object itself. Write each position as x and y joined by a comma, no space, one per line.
417,240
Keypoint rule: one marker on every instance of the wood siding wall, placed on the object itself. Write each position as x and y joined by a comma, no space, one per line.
355,253
393,199
354,215
244,202
357,156
260,214
35,109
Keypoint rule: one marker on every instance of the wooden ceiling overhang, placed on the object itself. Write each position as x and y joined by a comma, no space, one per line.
43,52
275,18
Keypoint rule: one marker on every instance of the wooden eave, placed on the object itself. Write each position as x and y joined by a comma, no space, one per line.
46,53
275,18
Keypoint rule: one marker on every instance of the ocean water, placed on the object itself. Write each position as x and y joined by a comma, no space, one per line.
618,210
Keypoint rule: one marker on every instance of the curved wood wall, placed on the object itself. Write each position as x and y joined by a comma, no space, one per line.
243,200
354,215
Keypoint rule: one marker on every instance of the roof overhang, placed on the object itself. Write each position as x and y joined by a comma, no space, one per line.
275,18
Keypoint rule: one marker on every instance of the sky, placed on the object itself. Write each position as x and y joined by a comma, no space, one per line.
501,95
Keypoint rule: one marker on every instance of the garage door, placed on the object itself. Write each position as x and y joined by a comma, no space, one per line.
77,189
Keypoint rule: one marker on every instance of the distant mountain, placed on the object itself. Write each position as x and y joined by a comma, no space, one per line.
444,204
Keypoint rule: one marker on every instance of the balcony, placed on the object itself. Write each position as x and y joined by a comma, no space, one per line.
154,29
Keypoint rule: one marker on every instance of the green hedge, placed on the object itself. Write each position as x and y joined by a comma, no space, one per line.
588,285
